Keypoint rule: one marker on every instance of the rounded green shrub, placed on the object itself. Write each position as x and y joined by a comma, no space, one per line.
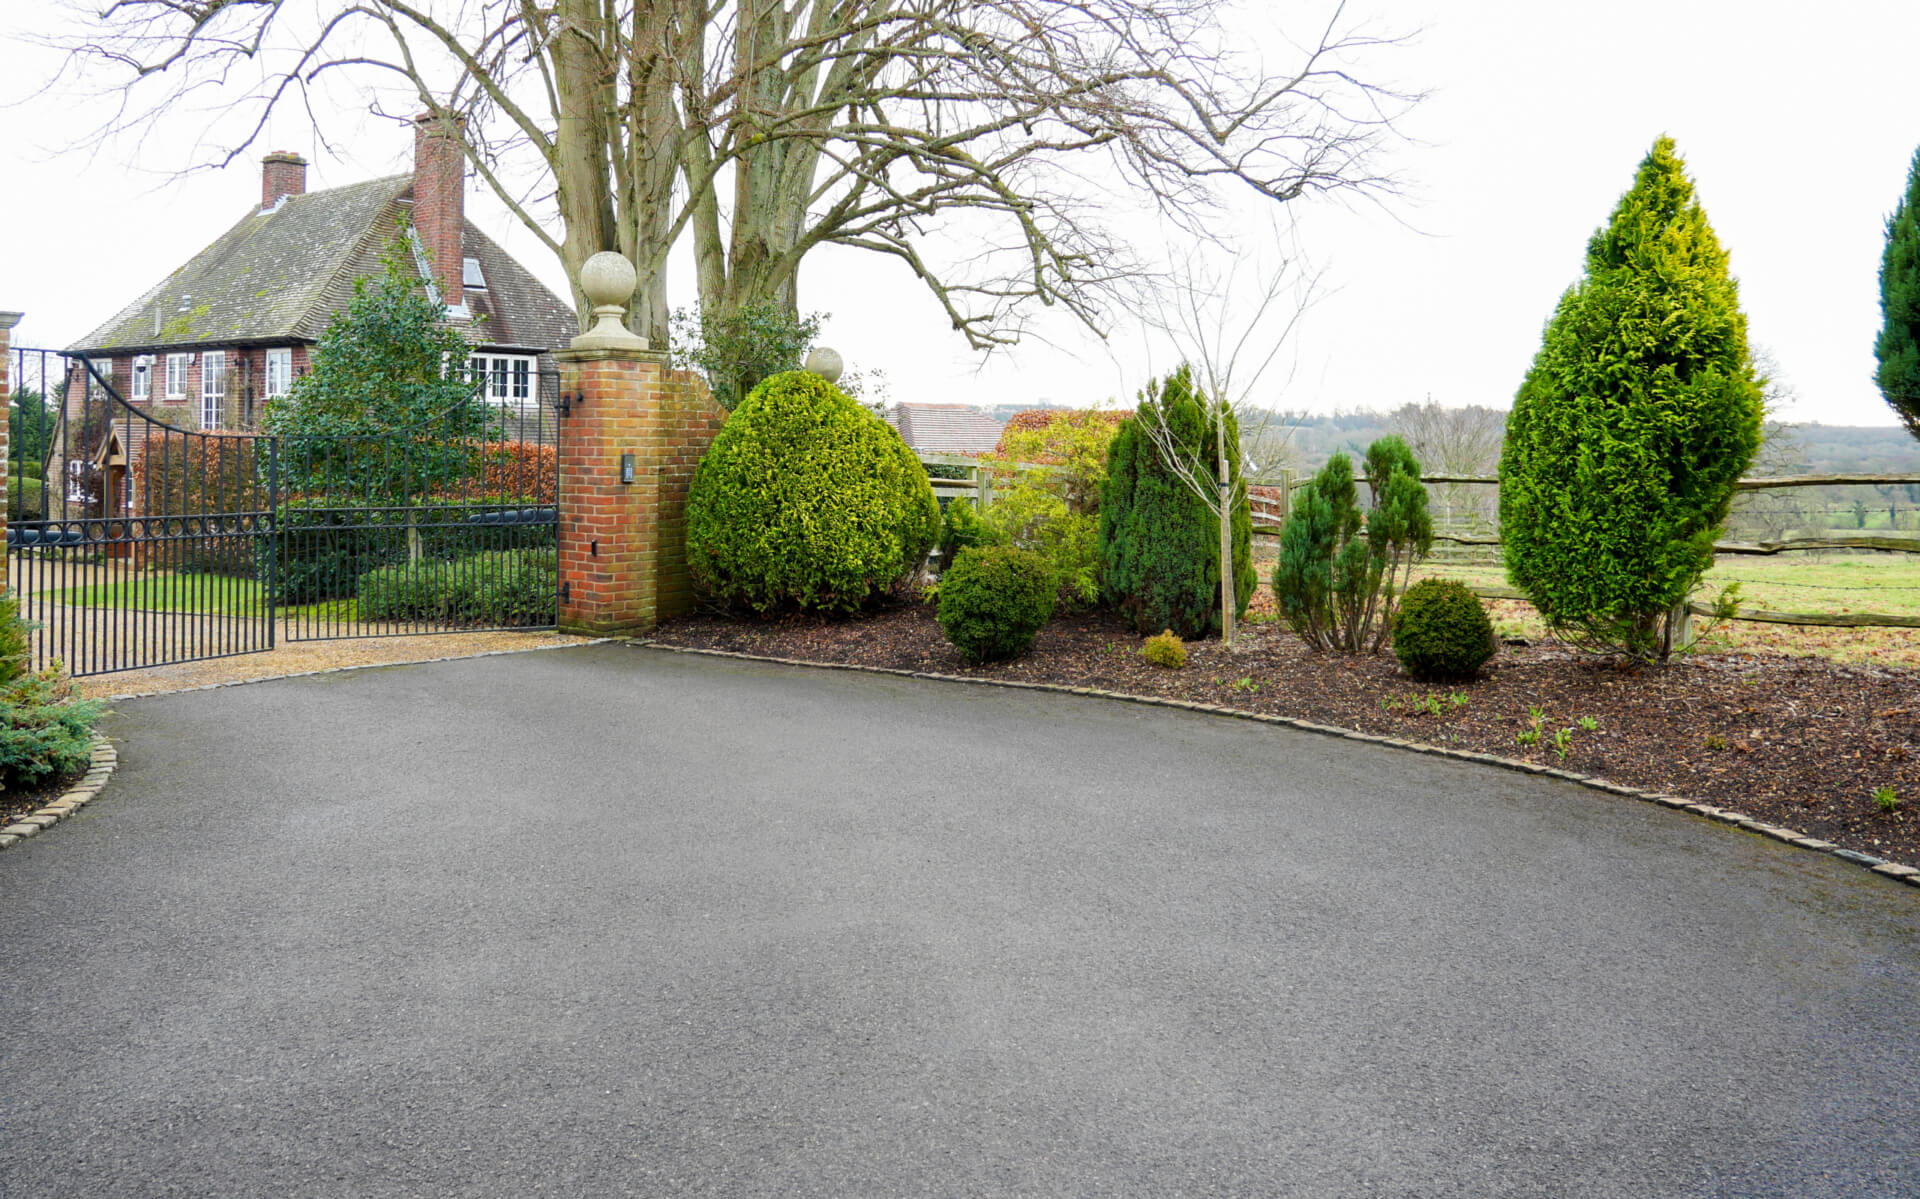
1165,649
807,500
1441,633
994,599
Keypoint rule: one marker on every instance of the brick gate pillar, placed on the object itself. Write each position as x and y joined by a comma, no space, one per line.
7,321
632,433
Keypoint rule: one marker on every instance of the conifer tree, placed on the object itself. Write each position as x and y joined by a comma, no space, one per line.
1640,412
1898,347
1160,561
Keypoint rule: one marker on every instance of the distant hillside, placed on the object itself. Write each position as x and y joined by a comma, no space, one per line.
1811,448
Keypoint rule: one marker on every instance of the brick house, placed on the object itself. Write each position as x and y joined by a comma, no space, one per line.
232,328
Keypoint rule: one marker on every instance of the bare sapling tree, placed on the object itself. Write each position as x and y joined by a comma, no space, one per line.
1232,335
986,146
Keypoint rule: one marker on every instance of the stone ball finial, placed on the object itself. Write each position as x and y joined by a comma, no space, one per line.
824,362
608,278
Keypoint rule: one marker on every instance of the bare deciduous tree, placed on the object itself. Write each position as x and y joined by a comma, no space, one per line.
1455,441
1231,327
767,128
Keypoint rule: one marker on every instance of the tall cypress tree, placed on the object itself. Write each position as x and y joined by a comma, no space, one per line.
1898,347
1639,414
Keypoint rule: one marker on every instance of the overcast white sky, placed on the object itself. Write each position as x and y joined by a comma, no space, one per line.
1798,122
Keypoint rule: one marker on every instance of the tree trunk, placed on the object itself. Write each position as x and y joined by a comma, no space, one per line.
1226,527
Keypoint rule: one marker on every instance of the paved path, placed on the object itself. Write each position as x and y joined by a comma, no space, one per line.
609,922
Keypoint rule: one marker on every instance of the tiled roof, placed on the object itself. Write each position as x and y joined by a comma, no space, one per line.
945,428
281,275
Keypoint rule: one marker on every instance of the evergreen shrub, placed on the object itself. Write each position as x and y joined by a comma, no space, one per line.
46,733
508,588
807,500
994,600
1335,586
961,527
1036,519
1441,633
1897,349
1159,542
1165,649
1641,410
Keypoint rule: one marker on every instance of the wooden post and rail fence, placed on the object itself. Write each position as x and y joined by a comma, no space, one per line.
1270,504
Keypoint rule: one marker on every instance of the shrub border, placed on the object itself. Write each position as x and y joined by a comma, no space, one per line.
99,769
1881,866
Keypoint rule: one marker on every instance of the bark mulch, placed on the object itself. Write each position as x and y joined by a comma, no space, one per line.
1799,742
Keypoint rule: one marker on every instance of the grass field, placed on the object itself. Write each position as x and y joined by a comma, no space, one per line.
192,593
161,592
1825,583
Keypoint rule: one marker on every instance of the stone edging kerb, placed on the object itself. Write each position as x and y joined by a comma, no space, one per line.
104,758
1881,866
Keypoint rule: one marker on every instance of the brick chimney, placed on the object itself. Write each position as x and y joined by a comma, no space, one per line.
439,201
281,175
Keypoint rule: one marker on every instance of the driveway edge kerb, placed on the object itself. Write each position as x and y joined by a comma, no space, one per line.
1881,866
103,759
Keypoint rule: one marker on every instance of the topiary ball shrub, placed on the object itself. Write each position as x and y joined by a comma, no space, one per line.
1441,633
1165,649
994,598
807,500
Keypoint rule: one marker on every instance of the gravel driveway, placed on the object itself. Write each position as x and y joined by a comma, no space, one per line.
608,921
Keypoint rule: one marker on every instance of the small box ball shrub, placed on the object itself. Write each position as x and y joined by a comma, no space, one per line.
1165,649
1441,633
807,500
994,599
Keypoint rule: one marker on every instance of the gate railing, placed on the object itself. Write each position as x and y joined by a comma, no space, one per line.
134,542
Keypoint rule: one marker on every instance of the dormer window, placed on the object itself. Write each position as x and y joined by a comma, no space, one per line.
470,276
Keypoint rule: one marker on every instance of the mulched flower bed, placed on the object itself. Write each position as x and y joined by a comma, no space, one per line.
1800,742
15,804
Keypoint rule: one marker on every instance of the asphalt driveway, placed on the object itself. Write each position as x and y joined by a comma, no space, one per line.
609,921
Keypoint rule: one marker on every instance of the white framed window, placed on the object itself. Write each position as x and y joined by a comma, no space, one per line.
213,389
279,372
177,375
142,389
509,378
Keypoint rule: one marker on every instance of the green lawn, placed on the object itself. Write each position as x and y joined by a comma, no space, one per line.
1806,582
169,593
1826,583
194,593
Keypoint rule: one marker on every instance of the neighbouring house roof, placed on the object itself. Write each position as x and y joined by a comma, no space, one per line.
281,275
945,428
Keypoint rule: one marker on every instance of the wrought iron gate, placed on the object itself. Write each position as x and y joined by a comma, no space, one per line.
134,542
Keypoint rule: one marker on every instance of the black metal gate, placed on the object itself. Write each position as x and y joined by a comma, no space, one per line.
133,542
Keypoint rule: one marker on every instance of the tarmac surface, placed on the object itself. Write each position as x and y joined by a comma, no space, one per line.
609,921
